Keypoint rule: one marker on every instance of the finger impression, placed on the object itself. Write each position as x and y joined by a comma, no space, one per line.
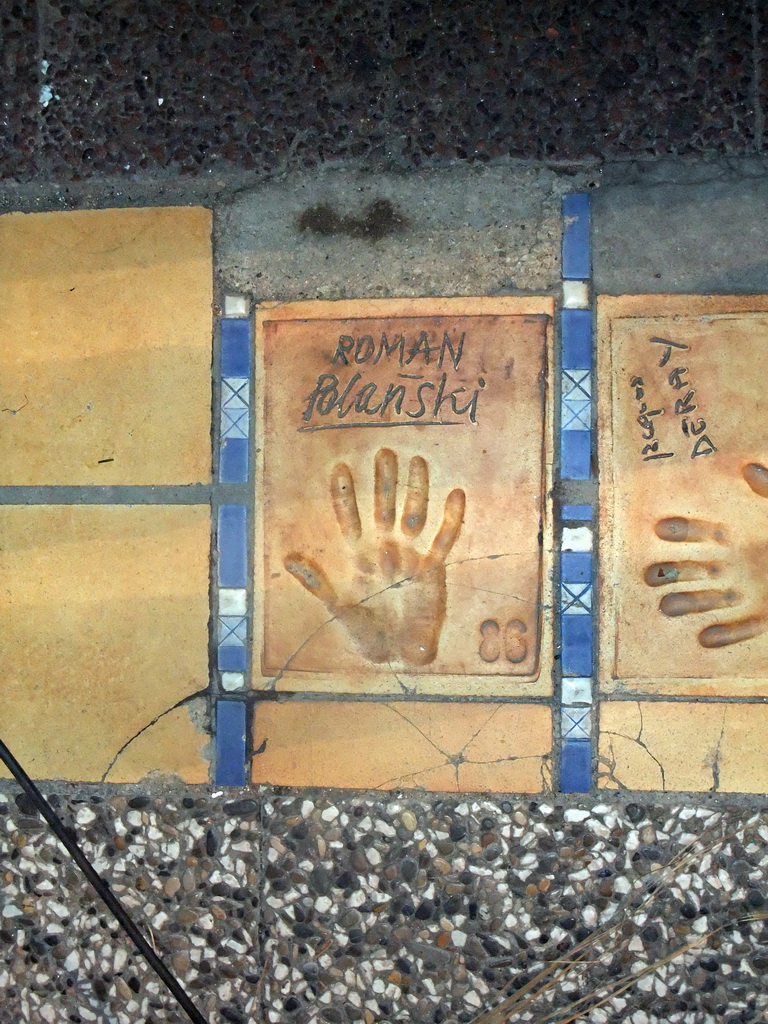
450,528
345,501
385,488
416,498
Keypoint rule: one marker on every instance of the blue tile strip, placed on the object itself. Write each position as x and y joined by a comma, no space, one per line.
575,454
576,567
577,644
577,513
233,461
577,258
230,743
577,594
576,766
232,608
576,335
232,632
231,659
236,347
232,546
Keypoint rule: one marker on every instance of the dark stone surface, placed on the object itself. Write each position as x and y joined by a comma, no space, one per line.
19,90
262,86
572,80
270,87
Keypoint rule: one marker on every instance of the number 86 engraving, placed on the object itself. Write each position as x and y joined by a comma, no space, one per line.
508,641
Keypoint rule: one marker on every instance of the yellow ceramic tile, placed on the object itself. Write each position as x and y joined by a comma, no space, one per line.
502,748
176,745
105,350
684,494
404,467
662,745
104,624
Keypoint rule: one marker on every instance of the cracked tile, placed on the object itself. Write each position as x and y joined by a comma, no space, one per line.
683,746
405,560
176,745
104,617
106,366
500,748
684,515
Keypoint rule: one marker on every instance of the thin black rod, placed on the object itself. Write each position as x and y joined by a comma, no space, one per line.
65,837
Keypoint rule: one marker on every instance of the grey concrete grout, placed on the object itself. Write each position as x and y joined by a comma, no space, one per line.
151,494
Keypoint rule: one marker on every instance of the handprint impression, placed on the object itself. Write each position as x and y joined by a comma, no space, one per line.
744,626
394,606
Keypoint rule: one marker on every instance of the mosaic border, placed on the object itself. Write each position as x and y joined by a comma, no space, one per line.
232,611
577,593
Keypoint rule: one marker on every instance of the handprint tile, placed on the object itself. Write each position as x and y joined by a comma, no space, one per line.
404,626
743,567
684,520
413,560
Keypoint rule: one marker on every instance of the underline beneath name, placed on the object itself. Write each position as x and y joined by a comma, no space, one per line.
415,423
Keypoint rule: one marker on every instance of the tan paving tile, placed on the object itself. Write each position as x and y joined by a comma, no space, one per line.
405,559
176,745
684,593
502,748
105,347
103,615
663,745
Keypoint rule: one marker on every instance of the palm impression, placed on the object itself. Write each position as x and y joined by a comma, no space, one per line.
404,622
724,577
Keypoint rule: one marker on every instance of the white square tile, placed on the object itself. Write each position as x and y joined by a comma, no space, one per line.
232,680
576,598
575,294
233,602
577,538
576,723
577,384
577,690
235,305
235,392
233,630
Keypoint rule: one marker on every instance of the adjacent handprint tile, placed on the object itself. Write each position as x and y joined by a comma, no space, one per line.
455,748
402,536
684,494
106,359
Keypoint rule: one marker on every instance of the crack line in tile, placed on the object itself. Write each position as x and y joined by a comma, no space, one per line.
635,739
646,748
409,690
456,760
272,683
610,764
716,760
480,729
498,593
421,732
184,700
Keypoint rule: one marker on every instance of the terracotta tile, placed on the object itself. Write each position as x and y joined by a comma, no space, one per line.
685,537
404,745
105,318
364,589
104,618
661,745
176,745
